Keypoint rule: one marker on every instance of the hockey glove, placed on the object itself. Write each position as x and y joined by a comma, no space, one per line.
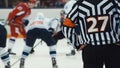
25,21
3,21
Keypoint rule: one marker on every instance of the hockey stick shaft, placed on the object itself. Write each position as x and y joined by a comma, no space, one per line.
38,44
15,62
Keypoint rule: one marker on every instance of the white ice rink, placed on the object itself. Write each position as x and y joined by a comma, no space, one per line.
41,58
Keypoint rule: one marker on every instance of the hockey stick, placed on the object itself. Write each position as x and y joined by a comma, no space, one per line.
37,44
15,62
20,57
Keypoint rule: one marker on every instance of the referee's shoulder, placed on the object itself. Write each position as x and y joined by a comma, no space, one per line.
79,1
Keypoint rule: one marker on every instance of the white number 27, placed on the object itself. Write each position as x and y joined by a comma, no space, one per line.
94,21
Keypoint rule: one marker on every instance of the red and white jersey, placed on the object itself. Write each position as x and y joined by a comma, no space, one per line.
20,12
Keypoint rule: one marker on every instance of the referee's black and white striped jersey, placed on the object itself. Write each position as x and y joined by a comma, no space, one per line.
97,21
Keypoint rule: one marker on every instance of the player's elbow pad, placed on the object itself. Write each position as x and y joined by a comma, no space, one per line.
51,30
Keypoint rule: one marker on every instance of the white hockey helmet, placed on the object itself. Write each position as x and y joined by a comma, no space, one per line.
40,15
62,12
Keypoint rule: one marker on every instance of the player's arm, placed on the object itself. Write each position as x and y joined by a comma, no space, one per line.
53,24
16,14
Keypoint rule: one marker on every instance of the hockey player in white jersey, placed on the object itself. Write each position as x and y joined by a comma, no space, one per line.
40,28
58,35
4,55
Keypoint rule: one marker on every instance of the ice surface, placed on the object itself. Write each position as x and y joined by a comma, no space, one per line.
41,57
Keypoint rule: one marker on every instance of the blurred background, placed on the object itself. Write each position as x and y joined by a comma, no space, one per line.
41,3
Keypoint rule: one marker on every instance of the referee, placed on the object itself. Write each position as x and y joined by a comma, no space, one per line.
95,23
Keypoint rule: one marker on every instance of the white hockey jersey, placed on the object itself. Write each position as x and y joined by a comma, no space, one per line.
44,23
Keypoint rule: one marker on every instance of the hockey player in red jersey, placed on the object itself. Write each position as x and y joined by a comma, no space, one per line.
16,20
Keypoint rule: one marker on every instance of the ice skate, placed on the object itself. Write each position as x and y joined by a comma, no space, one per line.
54,63
22,62
72,53
8,65
11,53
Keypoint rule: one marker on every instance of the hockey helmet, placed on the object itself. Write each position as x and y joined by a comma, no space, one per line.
62,12
33,1
40,15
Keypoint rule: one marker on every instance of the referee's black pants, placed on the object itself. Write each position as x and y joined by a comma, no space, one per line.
97,56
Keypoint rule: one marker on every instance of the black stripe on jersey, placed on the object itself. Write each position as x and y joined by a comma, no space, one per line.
83,28
76,41
73,16
110,9
83,12
114,34
105,4
105,38
67,29
71,32
87,7
110,37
